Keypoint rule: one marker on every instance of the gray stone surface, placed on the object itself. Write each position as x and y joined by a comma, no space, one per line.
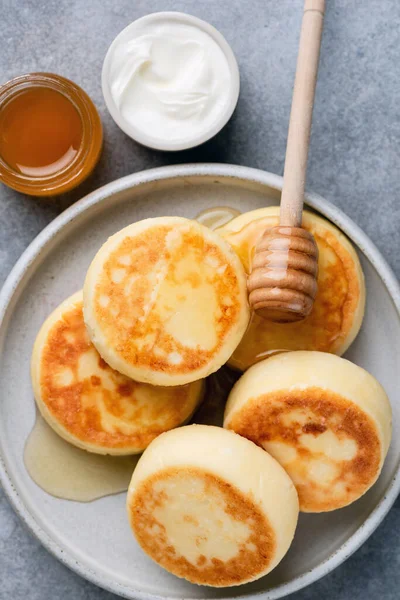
354,162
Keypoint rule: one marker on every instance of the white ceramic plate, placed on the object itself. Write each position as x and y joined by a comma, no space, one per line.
94,539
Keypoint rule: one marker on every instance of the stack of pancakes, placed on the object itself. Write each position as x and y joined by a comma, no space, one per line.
164,305
90,404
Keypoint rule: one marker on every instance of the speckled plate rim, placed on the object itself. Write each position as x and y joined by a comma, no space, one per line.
232,172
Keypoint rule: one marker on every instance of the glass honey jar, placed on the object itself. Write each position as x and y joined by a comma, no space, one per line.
50,134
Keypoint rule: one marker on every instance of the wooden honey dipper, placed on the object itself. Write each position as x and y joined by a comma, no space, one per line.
283,281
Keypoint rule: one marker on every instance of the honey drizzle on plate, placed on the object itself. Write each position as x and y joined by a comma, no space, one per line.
218,216
67,472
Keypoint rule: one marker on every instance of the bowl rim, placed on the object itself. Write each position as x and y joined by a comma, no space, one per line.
158,143
232,172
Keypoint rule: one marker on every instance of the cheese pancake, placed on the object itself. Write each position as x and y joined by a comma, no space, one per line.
326,420
339,305
165,301
211,507
88,403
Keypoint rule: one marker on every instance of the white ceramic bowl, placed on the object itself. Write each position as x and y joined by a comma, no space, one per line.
139,135
94,539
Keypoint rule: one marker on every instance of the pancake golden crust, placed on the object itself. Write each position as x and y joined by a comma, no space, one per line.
253,549
165,301
91,405
327,421
133,305
339,305
206,504
291,419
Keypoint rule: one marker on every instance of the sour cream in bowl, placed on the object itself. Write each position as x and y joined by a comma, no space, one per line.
170,81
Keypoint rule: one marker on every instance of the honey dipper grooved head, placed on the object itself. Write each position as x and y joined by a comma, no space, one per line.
283,281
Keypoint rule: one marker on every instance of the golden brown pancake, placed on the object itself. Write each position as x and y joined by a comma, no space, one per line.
211,507
88,403
326,420
165,301
339,306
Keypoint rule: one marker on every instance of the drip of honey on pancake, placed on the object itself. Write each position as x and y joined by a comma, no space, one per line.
166,301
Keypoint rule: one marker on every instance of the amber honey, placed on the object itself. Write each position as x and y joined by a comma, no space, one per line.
50,134
41,132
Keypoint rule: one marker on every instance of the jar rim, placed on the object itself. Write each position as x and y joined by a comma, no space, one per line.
87,113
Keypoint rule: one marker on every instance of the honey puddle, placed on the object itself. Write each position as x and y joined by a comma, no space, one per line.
66,472
217,216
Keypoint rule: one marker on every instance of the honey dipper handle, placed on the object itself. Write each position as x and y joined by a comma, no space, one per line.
294,176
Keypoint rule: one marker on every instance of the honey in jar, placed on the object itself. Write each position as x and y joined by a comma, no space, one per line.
50,134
